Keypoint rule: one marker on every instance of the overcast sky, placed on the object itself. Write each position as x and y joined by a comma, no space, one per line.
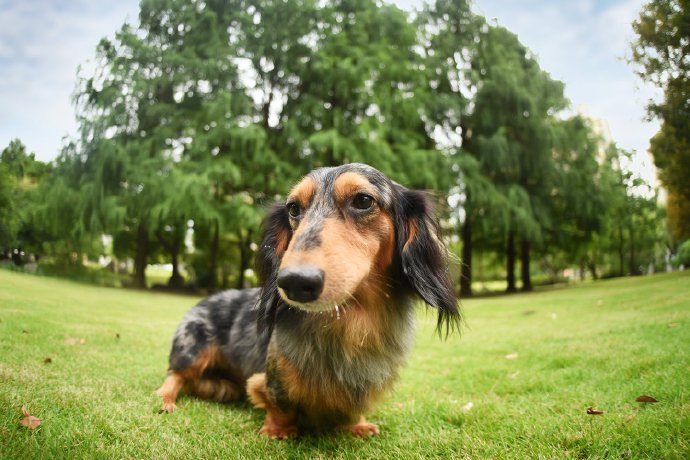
584,43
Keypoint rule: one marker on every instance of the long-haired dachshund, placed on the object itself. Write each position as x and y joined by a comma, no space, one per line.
340,263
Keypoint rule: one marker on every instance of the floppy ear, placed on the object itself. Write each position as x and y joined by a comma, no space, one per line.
276,237
424,257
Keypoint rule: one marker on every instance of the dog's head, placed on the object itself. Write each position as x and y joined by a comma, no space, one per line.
349,235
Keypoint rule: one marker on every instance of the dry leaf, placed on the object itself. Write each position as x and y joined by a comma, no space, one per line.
29,420
399,405
512,355
646,399
117,336
74,341
592,411
47,360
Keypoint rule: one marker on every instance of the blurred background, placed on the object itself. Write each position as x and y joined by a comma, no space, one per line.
141,142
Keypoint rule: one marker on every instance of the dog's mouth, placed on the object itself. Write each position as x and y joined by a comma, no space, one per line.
321,307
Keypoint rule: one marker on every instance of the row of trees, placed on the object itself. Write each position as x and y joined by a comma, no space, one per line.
203,112
660,53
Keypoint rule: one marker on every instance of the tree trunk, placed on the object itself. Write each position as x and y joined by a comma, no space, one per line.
176,281
593,270
17,257
141,257
213,258
524,265
466,262
510,266
621,252
634,270
173,246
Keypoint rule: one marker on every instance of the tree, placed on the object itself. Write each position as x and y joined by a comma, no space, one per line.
8,215
510,130
19,233
660,52
447,32
577,203
161,86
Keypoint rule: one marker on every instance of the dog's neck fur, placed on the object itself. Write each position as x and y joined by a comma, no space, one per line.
361,348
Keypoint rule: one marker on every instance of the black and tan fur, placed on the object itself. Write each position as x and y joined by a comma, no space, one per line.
326,335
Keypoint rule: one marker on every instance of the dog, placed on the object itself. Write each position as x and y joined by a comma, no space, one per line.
323,339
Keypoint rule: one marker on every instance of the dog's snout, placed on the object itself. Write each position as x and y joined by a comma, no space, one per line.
302,283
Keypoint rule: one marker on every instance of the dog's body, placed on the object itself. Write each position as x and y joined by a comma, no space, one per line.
325,336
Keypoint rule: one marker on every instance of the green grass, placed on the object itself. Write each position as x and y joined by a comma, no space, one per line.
596,344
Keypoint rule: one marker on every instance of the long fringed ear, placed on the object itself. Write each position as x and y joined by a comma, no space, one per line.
276,237
424,257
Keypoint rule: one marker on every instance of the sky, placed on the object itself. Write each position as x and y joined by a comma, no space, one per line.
583,43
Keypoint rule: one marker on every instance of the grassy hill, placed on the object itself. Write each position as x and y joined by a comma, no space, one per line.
516,384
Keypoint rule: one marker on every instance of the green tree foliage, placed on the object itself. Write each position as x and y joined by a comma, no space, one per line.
8,216
20,174
661,51
577,203
200,113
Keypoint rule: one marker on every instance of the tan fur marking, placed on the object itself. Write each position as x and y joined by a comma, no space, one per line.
323,396
303,192
220,390
191,380
362,428
282,242
412,233
349,183
168,391
277,425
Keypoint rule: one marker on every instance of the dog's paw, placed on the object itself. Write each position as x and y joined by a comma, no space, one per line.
363,429
167,408
279,432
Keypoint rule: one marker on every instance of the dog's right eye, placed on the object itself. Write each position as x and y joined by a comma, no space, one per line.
293,210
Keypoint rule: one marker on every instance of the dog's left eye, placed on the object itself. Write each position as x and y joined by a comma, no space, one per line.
362,201
293,210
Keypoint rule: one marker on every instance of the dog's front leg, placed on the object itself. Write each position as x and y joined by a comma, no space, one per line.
362,428
278,424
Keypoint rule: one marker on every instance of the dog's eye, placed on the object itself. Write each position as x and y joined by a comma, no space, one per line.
362,201
293,210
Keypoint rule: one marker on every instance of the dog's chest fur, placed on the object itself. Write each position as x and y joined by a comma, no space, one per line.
333,368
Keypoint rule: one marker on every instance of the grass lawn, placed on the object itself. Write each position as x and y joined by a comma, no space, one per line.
516,384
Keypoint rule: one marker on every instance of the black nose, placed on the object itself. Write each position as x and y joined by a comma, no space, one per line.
302,283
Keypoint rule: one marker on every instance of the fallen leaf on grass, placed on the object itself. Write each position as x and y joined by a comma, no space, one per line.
399,405
512,355
74,341
117,336
592,411
47,360
29,420
529,312
646,399
24,331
